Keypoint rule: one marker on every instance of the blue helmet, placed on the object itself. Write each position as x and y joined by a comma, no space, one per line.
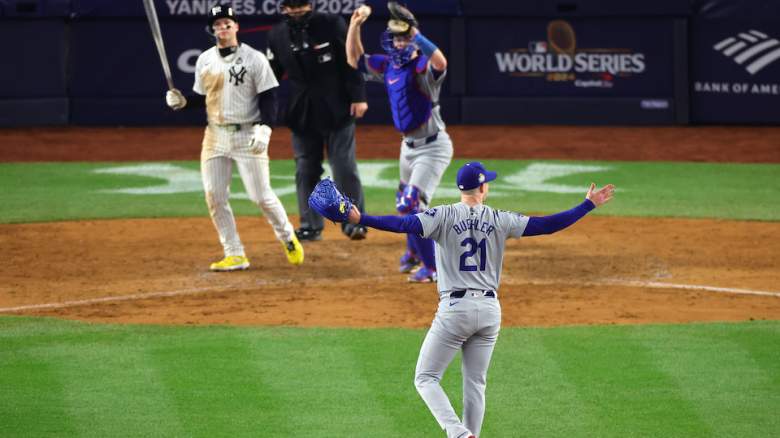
398,56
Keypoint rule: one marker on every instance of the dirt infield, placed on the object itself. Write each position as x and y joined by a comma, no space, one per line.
603,270
710,144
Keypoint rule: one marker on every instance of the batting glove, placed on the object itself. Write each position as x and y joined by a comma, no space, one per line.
175,99
261,136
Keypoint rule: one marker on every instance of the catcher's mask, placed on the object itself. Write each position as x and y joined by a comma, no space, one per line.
399,27
398,56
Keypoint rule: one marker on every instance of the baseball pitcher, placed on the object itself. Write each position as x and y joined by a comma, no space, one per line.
413,71
470,238
238,85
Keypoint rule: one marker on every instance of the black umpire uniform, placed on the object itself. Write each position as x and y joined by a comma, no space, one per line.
310,49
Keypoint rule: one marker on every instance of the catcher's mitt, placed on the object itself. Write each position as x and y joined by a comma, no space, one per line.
401,19
326,200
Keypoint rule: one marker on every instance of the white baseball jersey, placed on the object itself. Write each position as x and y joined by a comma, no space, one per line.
231,84
470,243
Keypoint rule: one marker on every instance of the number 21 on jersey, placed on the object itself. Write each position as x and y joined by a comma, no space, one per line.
473,247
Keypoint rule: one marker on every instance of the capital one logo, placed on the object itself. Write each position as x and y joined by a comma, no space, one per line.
753,49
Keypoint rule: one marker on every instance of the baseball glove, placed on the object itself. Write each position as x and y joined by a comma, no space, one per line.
326,200
401,19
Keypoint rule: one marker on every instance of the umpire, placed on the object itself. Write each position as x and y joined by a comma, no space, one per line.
326,96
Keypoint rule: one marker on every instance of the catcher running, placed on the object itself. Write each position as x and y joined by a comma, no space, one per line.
470,238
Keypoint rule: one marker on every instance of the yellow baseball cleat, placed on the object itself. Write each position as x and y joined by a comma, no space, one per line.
294,251
231,263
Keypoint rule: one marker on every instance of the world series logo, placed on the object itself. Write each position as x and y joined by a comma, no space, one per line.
558,59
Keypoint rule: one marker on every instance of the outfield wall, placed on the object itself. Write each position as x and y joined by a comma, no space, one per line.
93,62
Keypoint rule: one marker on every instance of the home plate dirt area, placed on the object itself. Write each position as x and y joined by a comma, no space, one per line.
603,270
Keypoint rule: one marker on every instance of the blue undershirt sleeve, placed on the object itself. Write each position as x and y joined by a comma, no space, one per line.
539,225
425,45
398,224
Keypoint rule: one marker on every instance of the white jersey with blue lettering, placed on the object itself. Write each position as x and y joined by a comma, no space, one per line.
470,243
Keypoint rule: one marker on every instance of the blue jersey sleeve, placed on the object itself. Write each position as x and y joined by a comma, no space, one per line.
397,224
377,63
550,224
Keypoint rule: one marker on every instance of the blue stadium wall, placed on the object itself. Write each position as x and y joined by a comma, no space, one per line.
665,62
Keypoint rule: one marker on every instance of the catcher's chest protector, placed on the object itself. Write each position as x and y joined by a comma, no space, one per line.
411,107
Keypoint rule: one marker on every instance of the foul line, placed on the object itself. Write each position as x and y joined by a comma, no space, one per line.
655,285
142,296
723,290
200,290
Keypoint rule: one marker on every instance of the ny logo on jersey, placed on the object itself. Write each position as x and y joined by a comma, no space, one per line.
238,76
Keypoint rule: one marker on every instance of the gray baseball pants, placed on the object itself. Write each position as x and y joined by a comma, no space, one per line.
424,166
471,325
309,154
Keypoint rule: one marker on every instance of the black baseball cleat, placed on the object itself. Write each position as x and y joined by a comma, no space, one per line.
308,234
354,232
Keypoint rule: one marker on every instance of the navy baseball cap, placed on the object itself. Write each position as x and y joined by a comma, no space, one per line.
473,174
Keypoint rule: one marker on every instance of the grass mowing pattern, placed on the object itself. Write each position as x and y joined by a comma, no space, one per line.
63,378
74,191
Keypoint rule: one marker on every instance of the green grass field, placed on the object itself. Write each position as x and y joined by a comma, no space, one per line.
63,191
61,378
74,379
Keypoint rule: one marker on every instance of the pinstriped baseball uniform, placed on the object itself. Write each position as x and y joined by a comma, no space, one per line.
470,243
231,85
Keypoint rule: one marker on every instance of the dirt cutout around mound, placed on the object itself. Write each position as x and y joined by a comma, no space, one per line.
602,270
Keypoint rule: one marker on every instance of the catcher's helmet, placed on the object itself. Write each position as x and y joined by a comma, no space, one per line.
221,11
398,56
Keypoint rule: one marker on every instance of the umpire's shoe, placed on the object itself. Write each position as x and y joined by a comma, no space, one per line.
353,231
308,234
294,251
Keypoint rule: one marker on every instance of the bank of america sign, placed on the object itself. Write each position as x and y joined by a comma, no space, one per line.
752,49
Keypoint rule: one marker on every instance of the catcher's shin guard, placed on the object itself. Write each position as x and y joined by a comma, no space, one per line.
409,200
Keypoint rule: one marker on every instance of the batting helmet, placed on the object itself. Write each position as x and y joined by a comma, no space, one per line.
221,11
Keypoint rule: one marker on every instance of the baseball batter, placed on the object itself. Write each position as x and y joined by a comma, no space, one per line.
238,85
413,71
470,238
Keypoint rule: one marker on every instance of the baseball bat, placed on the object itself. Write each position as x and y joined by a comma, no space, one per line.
154,24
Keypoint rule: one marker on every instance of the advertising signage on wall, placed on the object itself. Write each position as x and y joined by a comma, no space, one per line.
199,8
736,72
256,7
585,57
